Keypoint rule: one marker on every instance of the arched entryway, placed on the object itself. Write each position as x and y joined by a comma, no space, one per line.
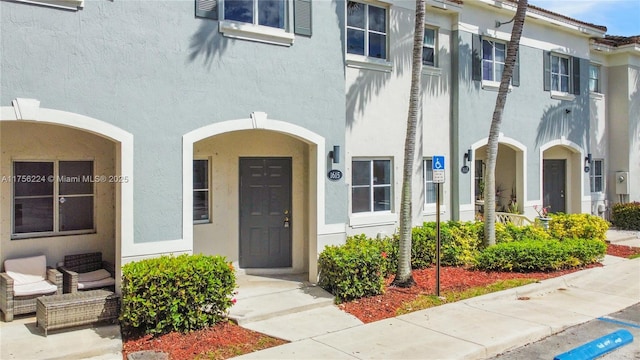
510,175
254,192
561,172
86,203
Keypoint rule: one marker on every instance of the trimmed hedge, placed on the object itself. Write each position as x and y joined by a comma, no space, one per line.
353,270
626,216
182,293
541,255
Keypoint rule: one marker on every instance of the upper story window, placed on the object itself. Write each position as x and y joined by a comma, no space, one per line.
493,57
429,47
270,13
371,186
266,21
561,75
597,175
52,198
594,78
366,30
488,61
201,191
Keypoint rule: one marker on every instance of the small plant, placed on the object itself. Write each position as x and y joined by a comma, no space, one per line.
543,211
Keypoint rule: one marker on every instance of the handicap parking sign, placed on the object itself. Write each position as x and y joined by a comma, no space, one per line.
438,163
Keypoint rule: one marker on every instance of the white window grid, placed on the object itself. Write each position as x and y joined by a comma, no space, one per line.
497,66
597,175
256,12
430,42
430,187
205,189
560,70
55,198
368,31
372,184
594,78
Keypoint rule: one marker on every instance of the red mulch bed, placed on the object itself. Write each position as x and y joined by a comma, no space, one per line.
227,340
223,341
622,250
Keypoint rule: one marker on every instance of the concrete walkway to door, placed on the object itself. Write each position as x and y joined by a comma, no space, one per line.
287,307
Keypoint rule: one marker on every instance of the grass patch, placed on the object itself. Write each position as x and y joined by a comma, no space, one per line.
635,256
428,301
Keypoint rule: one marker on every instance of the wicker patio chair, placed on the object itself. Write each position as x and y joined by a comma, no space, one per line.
87,272
24,280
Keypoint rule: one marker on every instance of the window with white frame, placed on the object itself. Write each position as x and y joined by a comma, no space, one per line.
560,73
52,198
478,179
493,57
371,186
594,78
201,190
429,47
366,30
267,21
597,175
270,13
430,188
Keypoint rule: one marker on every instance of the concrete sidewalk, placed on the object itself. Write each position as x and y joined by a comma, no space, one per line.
479,327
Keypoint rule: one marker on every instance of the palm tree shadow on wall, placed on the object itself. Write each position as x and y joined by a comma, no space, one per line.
570,119
207,43
370,83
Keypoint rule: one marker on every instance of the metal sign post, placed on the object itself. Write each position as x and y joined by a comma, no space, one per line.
438,178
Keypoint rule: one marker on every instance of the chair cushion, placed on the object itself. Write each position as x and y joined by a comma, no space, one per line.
96,284
93,276
35,288
27,270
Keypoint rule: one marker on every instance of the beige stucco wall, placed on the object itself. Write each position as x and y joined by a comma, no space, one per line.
377,106
220,236
32,141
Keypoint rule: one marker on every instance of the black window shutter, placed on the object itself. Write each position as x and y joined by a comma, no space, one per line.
576,75
515,79
207,9
302,17
476,57
546,61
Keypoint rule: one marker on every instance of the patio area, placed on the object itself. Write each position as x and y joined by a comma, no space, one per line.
21,339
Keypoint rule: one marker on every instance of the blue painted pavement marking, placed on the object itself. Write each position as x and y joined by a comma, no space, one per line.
598,347
618,322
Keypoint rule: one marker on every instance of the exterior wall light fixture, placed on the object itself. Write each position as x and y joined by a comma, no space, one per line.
587,162
335,154
465,158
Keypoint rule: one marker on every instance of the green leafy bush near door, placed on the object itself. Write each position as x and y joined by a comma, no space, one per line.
182,293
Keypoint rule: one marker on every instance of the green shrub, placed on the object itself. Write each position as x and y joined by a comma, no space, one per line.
626,216
540,255
388,248
352,271
182,293
581,226
459,243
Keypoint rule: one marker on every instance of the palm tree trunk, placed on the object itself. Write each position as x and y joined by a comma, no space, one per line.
496,121
404,278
